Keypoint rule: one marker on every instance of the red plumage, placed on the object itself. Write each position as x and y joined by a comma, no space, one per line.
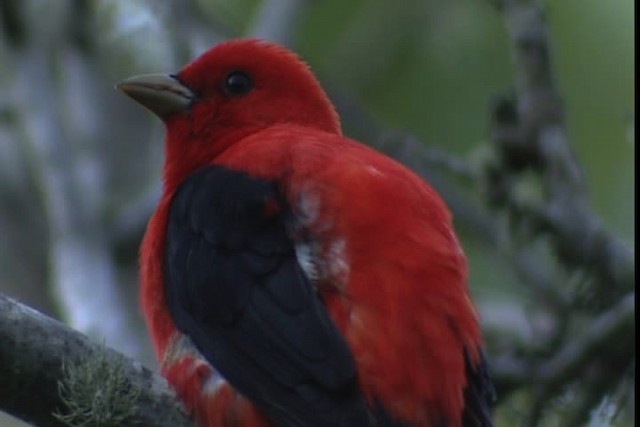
374,241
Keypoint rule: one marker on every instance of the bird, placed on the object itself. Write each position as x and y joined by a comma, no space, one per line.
292,276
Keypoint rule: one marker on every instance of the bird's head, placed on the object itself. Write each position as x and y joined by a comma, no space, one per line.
231,91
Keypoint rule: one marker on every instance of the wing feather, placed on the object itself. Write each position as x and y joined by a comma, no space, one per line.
234,286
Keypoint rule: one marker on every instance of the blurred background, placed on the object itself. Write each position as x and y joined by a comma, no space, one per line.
80,163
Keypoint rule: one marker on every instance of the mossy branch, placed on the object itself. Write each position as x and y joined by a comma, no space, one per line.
55,376
97,392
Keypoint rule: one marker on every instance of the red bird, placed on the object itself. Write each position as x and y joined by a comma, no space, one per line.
292,276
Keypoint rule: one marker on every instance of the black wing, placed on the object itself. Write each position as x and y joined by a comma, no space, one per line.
479,395
234,286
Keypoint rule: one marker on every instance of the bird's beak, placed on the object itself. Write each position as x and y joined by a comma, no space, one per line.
161,93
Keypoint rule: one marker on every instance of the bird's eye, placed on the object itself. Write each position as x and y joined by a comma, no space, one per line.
237,83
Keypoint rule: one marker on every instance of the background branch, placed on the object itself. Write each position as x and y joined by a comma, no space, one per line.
529,132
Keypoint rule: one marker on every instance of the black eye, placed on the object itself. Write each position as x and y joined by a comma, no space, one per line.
237,83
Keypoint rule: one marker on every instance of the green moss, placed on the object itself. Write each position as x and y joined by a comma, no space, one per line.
96,393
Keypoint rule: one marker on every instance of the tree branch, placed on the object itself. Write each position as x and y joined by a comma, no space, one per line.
39,357
530,134
610,330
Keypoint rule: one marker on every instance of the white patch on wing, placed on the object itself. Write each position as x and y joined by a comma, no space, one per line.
213,383
336,259
320,253
181,346
305,256
309,208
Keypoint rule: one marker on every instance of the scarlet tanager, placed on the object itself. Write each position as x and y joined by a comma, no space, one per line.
291,276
